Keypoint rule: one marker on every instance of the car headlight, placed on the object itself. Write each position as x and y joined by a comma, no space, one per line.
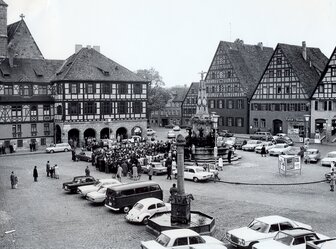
241,241
228,235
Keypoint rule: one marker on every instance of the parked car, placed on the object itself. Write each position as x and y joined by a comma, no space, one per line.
268,146
239,144
313,155
279,135
99,196
145,208
176,128
150,132
225,133
171,134
84,156
58,148
226,141
182,238
78,181
331,157
294,151
260,229
262,135
158,168
292,239
251,145
284,140
84,190
196,173
279,149
321,244
170,126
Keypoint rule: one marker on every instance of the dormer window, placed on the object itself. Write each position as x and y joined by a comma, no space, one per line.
4,72
38,73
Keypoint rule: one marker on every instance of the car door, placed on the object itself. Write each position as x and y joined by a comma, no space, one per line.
152,209
187,174
181,243
161,207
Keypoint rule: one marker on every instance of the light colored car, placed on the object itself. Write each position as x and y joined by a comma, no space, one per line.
150,132
331,157
279,135
226,141
157,168
262,228
176,128
289,239
182,238
58,148
99,196
251,145
145,208
313,155
321,244
84,190
268,146
279,149
196,173
171,134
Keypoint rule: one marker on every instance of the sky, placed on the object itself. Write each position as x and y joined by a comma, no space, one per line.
178,38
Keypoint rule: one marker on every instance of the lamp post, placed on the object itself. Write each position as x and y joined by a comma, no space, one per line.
307,118
214,119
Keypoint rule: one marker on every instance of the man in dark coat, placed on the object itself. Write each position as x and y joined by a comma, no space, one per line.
263,151
48,168
230,152
169,167
35,174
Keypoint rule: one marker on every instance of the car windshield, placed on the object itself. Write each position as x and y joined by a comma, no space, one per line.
332,155
279,146
251,142
138,206
283,238
102,190
258,226
98,184
163,240
199,170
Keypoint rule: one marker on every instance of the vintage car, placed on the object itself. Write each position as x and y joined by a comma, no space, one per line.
58,148
171,134
84,156
182,238
150,132
84,190
289,239
284,140
262,135
312,155
158,168
321,244
239,143
261,229
329,159
251,145
145,208
176,128
225,133
78,181
226,141
279,149
268,146
197,173
99,196
294,151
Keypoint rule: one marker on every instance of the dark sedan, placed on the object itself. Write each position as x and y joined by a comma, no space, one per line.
78,181
284,140
84,156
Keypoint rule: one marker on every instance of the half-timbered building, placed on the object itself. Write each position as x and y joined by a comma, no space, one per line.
188,107
231,79
282,97
323,103
96,97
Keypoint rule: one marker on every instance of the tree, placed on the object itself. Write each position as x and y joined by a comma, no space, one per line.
157,95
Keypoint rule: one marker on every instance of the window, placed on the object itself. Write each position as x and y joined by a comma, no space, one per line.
316,105
239,122
333,71
283,107
42,89
279,73
137,107
46,129
279,89
263,123
287,90
59,89
33,130
181,241
272,107
151,207
89,108
325,105
20,143
43,141
285,226
334,87
240,104
137,88
212,104
230,104
213,89
16,111
90,88
122,107
299,241
220,104
8,90
213,75
106,88
255,122
229,74
59,110
33,110
330,105
106,108
274,228
279,61
74,88
291,107
123,88
321,88
74,108
229,121
192,91
196,240
271,73
287,72
160,205
46,110
25,90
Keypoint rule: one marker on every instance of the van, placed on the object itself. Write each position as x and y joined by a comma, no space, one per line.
123,197
58,148
262,135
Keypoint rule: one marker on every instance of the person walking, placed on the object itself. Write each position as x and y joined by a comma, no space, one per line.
263,151
168,164
119,172
150,171
13,180
35,174
87,171
230,155
48,168
332,181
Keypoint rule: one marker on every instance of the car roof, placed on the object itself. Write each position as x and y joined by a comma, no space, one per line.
149,200
312,149
108,180
180,232
133,185
272,218
298,232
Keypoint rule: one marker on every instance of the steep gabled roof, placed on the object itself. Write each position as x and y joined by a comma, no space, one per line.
248,62
90,65
194,85
11,29
180,95
29,70
308,71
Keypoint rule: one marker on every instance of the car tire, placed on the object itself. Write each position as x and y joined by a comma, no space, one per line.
145,220
252,244
66,150
52,151
126,209
195,179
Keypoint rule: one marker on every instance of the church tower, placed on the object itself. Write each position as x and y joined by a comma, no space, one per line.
3,29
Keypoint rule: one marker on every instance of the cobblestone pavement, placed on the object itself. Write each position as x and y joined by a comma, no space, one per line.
44,216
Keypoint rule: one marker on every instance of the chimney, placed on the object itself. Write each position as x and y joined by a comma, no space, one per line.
88,46
304,50
97,48
261,46
78,47
3,29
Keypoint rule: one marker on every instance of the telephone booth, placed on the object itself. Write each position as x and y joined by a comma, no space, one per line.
288,164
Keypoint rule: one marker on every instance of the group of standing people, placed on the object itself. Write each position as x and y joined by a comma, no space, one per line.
52,171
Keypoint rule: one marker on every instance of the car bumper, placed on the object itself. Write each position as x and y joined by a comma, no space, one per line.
112,208
95,200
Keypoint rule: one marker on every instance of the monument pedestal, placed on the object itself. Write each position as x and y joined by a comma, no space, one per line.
180,211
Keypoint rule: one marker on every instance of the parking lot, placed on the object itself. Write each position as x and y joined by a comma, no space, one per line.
44,216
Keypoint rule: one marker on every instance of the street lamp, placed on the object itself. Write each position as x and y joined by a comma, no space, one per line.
307,118
214,119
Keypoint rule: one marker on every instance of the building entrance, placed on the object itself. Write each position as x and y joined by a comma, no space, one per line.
277,126
122,133
73,137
